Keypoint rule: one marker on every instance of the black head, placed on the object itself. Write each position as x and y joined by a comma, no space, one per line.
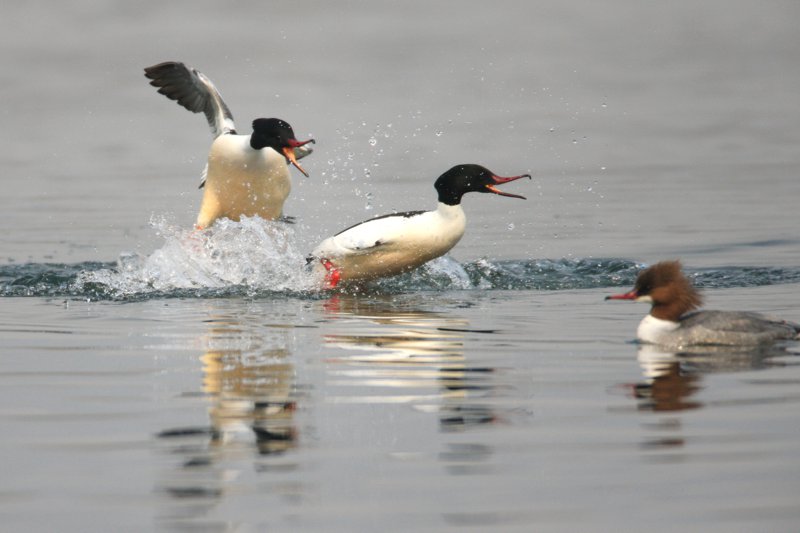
461,179
277,134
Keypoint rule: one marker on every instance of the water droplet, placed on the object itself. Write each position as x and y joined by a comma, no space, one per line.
510,226
373,141
439,133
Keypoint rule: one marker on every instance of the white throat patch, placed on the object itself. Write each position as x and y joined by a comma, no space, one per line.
652,329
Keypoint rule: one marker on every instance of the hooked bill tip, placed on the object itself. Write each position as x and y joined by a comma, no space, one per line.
301,169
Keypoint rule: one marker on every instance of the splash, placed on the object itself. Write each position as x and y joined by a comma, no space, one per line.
248,256
257,258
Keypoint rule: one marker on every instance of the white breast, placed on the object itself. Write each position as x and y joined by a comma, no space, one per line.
656,330
241,181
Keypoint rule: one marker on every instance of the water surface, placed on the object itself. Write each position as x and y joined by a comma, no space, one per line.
154,380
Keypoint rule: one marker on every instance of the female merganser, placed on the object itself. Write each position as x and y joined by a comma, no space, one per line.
672,321
392,244
246,175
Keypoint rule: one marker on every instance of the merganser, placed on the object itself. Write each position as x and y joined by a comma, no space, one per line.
673,322
246,175
392,244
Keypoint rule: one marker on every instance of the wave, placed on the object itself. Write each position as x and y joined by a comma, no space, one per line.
257,258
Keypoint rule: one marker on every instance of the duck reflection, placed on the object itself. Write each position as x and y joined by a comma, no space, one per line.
667,385
672,377
249,381
671,380
409,356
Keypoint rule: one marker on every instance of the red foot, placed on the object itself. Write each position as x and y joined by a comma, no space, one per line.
332,275
195,239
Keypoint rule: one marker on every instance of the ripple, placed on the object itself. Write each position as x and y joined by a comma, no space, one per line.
257,258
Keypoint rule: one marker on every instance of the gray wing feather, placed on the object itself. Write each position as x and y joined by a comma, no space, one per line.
194,91
738,322
203,177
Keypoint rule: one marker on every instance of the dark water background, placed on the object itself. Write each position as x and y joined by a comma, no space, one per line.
149,387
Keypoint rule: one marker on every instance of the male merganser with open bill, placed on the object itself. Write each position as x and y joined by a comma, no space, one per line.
392,244
246,175
674,322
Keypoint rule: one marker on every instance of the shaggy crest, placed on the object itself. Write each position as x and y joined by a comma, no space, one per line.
672,292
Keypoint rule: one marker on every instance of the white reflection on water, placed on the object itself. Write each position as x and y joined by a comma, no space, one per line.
386,355
376,352
672,377
249,380
672,380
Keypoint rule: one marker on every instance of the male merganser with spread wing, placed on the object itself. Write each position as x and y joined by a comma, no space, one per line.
392,244
246,175
673,322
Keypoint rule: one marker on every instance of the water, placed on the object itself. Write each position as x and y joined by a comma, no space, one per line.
156,379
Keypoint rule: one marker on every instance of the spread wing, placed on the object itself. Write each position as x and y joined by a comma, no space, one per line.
194,91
